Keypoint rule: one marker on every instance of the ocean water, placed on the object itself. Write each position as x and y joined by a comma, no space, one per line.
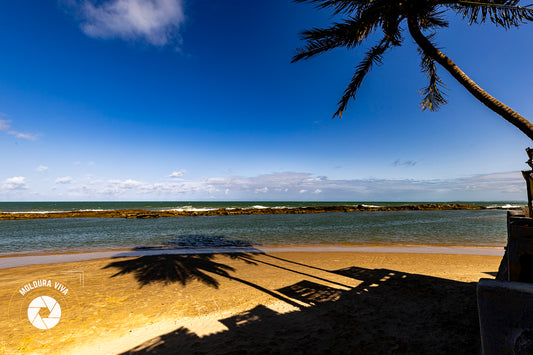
466,228
39,207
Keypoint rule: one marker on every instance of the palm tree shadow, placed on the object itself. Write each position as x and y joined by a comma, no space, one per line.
168,269
169,266
390,312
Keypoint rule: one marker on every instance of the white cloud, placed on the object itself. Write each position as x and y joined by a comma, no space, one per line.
15,183
294,186
63,180
5,126
41,168
154,21
178,174
27,136
126,184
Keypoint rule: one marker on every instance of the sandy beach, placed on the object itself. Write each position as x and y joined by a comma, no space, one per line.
276,302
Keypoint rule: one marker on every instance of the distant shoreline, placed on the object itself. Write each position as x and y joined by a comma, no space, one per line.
140,213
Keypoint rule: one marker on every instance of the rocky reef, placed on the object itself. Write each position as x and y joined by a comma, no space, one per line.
233,211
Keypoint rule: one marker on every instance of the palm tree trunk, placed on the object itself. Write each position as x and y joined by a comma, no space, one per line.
503,110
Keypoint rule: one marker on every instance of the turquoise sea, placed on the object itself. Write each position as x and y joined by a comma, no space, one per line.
466,228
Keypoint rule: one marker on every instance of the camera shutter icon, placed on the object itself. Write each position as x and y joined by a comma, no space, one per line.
44,302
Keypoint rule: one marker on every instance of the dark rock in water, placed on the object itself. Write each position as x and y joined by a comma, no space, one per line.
147,216
234,211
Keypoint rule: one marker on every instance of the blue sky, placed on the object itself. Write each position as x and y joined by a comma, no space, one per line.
198,100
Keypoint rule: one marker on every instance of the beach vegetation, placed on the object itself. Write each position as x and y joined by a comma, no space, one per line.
422,18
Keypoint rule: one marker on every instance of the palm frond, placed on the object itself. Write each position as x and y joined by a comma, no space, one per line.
374,56
391,29
338,6
433,96
502,13
347,34
432,19
368,16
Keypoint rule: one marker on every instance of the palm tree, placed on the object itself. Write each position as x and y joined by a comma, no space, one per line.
364,17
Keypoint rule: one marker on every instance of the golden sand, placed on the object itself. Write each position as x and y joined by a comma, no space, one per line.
303,302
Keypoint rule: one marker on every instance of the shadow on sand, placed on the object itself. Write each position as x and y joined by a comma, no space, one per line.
389,312
188,265
185,268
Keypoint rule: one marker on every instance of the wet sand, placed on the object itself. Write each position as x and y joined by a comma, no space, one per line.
32,259
277,302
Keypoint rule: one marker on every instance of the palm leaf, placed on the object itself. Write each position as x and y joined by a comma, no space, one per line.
339,6
502,13
374,56
433,97
347,34
353,31
432,20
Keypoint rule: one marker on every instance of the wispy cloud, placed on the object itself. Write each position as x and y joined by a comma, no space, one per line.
15,183
63,180
156,22
41,168
5,127
290,185
178,174
406,163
